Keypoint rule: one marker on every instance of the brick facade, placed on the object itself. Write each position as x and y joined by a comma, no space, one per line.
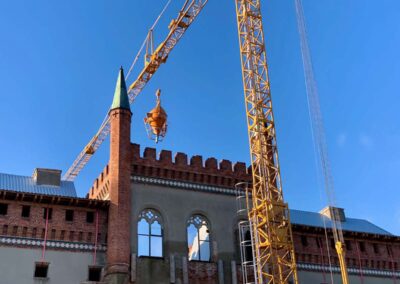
179,168
365,251
13,224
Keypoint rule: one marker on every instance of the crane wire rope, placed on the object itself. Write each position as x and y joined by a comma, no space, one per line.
147,38
177,28
105,120
317,131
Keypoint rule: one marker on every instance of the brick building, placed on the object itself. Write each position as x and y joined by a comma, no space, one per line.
162,218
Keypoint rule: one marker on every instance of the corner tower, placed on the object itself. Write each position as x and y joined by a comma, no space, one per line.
118,241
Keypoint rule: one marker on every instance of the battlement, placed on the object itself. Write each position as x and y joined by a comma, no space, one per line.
194,169
180,167
100,187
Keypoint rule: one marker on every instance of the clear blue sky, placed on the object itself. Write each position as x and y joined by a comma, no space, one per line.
59,62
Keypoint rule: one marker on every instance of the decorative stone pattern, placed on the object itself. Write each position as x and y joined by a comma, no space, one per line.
356,271
183,185
35,243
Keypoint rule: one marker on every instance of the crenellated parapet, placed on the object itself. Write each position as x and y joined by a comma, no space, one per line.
179,167
193,169
100,187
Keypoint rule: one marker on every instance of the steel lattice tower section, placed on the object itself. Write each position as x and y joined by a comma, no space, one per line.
269,215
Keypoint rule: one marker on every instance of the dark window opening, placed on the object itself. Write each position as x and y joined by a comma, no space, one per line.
26,211
53,234
69,215
304,241
94,273
362,246
5,230
319,242
333,243
3,208
24,231
348,245
62,235
34,230
89,237
89,217
41,269
376,248
49,214
389,250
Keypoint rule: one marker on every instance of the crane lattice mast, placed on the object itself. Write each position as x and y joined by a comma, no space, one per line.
269,216
177,27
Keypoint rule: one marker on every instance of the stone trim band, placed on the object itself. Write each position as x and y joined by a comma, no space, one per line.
30,242
183,185
351,270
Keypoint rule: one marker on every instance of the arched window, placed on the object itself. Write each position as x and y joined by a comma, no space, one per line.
198,238
150,234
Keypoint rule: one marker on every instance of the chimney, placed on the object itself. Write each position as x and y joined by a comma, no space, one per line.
47,177
334,212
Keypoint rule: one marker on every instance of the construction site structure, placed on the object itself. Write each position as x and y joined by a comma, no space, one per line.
156,121
269,214
177,29
320,144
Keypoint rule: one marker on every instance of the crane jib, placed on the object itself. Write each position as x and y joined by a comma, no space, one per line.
178,27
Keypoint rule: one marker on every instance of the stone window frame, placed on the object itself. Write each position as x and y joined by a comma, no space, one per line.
195,220
151,215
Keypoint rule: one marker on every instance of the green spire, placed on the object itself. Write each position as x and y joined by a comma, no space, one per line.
121,99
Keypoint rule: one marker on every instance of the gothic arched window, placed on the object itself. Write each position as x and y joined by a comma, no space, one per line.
150,234
198,235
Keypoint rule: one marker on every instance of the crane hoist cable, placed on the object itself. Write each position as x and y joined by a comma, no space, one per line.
319,138
147,39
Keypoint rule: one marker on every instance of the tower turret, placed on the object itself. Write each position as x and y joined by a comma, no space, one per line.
118,241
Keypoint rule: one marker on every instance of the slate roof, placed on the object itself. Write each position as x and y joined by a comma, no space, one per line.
314,219
28,184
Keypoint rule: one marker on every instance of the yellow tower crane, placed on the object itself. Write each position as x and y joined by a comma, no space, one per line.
269,216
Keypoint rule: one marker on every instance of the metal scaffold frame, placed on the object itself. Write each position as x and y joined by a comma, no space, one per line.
269,215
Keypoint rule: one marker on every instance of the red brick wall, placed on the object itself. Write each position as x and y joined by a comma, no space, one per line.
195,170
202,272
58,228
101,186
118,244
370,259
